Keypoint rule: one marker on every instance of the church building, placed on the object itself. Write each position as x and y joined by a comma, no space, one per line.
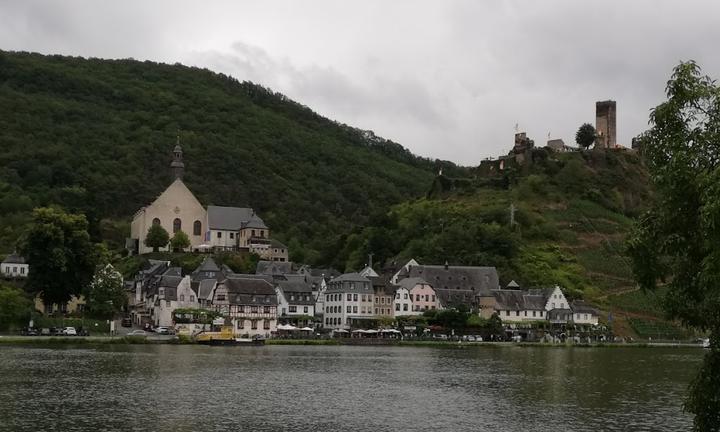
214,228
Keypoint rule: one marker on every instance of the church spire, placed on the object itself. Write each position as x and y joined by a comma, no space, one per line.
177,166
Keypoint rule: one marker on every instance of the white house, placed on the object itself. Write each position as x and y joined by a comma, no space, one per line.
583,313
349,299
402,305
171,292
296,303
14,266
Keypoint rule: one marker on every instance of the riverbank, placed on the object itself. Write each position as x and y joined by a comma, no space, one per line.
171,340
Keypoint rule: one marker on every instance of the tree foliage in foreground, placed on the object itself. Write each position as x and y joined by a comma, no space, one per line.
678,239
61,257
15,307
157,237
585,136
105,296
180,241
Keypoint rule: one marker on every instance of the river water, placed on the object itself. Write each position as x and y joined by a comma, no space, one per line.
339,388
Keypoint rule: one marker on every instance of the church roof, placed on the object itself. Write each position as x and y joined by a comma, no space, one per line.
233,218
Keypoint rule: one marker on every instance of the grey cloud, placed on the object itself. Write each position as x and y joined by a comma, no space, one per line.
446,79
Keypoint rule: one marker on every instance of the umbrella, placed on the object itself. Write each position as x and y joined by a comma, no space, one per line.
359,331
371,331
391,331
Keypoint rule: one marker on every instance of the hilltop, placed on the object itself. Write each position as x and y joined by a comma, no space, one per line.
95,136
572,214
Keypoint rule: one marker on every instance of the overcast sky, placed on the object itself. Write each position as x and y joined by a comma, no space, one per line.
447,79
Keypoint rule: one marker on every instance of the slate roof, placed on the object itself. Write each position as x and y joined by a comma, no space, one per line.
517,300
579,306
457,277
452,298
302,292
409,283
273,267
205,288
233,218
276,244
14,259
248,291
361,284
173,271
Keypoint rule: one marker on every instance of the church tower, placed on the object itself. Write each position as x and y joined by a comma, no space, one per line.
177,166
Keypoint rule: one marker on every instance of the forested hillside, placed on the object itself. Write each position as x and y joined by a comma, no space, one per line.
95,136
572,214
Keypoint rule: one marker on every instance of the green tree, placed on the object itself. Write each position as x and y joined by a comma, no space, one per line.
678,239
156,237
105,296
180,241
61,257
585,135
15,308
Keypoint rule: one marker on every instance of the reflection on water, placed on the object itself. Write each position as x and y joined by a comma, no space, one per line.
188,388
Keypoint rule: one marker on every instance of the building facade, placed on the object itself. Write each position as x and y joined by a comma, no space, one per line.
14,266
349,300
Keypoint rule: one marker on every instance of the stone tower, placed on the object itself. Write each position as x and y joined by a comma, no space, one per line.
177,166
605,124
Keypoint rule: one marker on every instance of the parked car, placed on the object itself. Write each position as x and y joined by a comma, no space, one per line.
69,331
162,330
137,333
126,322
30,331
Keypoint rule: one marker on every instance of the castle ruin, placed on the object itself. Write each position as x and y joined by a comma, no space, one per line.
605,124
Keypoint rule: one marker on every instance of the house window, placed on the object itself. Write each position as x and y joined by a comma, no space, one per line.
397,306
182,297
363,297
262,234
167,304
292,309
405,296
534,312
266,324
266,309
232,235
161,292
22,270
405,307
517,313
305,309
253,233
221,297
253,309
349,309
354,309
156,221
177,225
349,297
219,234
354,297
433,298
192,298
253,324
197,228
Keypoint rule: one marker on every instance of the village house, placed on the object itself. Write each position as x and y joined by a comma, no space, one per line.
250,303
172,291
14,266
348,302
296,304
75,305
583,313
384,296
402,303
422,295
454,286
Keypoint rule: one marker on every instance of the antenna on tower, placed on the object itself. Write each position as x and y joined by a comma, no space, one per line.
517,127
548,134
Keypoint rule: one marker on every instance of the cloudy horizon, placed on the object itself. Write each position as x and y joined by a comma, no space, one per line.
447,80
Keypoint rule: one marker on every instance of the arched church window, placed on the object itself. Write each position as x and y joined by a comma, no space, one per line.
177,225
197,228
156,221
